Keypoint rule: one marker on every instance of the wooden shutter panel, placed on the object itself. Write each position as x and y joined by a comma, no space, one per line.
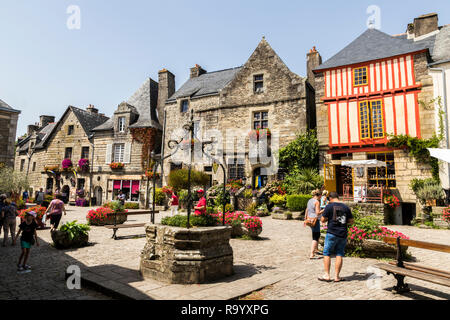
127,155
108,153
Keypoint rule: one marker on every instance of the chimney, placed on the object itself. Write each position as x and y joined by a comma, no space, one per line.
313,60
45,120
166,88
31,129
92,109
197,71
424,25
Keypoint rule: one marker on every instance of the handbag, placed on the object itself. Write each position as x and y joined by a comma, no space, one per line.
311,222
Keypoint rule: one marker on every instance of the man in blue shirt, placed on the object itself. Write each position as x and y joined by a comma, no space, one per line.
339,217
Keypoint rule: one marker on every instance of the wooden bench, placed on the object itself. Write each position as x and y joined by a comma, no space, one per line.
116,226
400,269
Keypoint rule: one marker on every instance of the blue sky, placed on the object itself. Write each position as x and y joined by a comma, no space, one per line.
44,66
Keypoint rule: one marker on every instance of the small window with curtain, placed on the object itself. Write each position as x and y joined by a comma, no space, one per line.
360,77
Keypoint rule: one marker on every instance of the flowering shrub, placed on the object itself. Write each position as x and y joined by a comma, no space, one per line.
275,187
357,234
278,200
83,164
235,185
446,214
391,201
237,218
167,190
252,223
40,211
66,164
116,165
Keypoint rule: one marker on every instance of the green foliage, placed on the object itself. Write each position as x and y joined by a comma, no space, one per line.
278,200
220,196
74,229
183,197
178,179
264,209
210,210
115,206
20,204
229,207
297,202
251,209
160,197
131,205
303,181
195,221
417,184
12,182
303,152
430,191
367,223
248,194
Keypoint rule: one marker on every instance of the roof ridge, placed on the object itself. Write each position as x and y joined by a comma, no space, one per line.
223,70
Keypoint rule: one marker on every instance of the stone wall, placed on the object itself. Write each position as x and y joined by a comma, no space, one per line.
8,128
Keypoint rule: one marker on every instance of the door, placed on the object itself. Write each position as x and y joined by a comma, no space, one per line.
99,195
330,177
344,180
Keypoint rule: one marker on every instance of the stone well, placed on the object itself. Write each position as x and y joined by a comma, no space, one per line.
186,256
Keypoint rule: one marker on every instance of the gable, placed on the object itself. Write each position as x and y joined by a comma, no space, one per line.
279,82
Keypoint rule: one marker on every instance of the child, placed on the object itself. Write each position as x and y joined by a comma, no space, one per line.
29,236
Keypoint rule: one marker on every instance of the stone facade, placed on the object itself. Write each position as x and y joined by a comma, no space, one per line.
8,128
228,113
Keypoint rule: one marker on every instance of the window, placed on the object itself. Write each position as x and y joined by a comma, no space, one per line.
236,169
68,153
34,166
383,176
122,124
174,166
85,153
258,83
360,77
260,120
184,106
70,130
119,151
22,164
371,119
129,187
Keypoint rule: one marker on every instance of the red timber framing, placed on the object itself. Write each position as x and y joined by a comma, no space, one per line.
390,80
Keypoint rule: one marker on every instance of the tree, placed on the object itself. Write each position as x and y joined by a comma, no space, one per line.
303,152
178,179
12,182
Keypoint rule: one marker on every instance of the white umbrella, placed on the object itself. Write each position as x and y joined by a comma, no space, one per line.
363,163
441,154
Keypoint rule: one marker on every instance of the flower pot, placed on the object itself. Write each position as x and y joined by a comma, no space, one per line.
61,240
253,233
237,230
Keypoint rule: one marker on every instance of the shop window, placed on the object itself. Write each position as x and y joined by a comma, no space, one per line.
129,187
383,176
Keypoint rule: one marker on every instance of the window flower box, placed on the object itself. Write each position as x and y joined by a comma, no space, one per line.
116,165
67,164
259,133
83,165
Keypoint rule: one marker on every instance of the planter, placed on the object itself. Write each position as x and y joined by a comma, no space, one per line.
371,248
253,233
237,230
281,216
61,240
186,256
121,218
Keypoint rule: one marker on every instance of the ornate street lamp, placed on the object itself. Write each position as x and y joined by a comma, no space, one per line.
175,146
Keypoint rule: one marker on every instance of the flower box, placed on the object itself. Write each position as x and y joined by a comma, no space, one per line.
116,165
105,217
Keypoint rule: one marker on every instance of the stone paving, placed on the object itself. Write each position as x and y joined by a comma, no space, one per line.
276,267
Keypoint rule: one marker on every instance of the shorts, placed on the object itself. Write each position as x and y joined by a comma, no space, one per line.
55,219
25,244
334,244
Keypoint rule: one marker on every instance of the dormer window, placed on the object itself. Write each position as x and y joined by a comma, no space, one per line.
360,77
121,124
258,83
70,130
184,106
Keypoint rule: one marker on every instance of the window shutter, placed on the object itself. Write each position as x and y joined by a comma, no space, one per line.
108,153
127,155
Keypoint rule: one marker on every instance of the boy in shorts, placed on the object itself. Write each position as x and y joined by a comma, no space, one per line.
29,237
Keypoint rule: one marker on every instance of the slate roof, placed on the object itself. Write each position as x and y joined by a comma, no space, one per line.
206,84
5,107
145,100
374,44
42,135
88,120
441,50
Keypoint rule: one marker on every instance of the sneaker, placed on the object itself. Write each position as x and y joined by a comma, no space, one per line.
27,267
20,269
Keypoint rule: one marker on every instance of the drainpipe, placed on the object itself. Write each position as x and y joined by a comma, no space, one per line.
444,98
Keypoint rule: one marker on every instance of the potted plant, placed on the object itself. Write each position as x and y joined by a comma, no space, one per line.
105,215
83,165
66,164
116,165
71,235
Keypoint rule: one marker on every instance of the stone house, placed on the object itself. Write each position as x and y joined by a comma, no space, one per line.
8,128
128,138
47,144
379,85
229,105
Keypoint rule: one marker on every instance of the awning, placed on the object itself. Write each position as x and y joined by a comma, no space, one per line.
441,154
363,164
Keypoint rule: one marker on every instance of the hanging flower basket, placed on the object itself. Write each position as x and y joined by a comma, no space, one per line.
83,165
150,174
116,165
67,164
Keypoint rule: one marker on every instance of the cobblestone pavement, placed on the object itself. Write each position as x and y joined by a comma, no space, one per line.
282,253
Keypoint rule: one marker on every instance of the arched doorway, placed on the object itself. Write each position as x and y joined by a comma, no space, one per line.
260,178
65,192
98,194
